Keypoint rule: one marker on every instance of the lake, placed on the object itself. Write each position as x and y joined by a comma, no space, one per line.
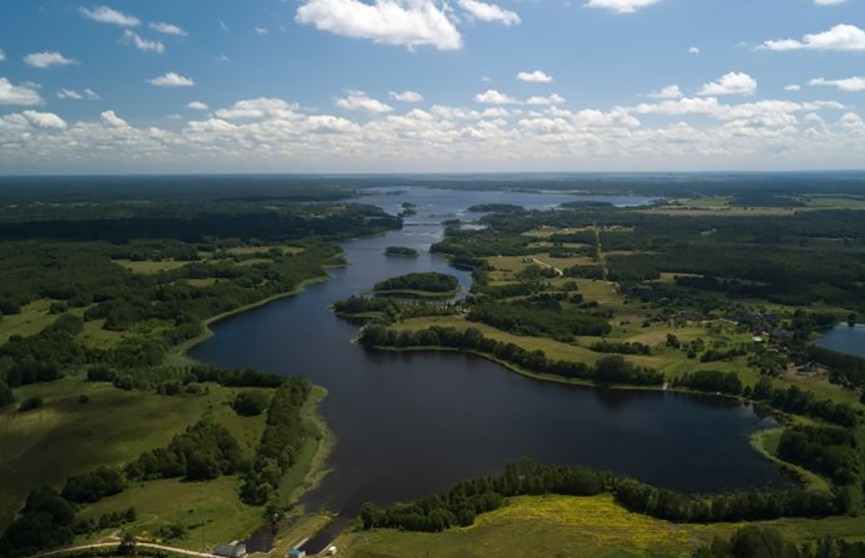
845,339
408,424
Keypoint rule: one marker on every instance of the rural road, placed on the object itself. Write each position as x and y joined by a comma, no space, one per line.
171,549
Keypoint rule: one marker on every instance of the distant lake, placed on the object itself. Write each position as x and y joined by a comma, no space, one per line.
845,339
408,424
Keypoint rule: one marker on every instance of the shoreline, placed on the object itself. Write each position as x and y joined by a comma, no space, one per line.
181,351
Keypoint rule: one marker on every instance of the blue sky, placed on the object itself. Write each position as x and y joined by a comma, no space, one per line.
168,86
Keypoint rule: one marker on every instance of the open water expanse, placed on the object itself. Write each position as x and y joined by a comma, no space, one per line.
410,424
845,339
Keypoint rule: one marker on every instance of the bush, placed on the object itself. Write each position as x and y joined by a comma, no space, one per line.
251,403
30,404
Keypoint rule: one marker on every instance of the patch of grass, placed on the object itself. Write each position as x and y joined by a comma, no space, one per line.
543,527
34,317
66,437
210,511
149,267
202,282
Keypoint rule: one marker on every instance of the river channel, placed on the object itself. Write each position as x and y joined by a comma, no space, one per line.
410,424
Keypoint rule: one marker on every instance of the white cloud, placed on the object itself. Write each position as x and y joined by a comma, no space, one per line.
793,87
86,95
47,59
394,22
263,107
493,97
110,119
2,55
489,12
358,100
262,31
842,37
406,96
694,50
733,83
104,14
168,29
22,95
44,120
171,79
197,105
536,76
553,99
828,2
132,38
848,84
668,92
621,6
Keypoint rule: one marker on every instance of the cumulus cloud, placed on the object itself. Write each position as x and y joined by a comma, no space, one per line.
44,120
842,37
262,31
621,6
406,96
263,107
197,105
171,79
144,45
110,119
694,50
47,59
493,97
733,83
668,92
86,95
536,76
21,95
848,84
489,12
828,2
792,87
2,55
104,14
168,29
409,23
358,100
553,99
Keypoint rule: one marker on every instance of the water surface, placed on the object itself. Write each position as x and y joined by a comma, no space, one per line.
408,424
845,339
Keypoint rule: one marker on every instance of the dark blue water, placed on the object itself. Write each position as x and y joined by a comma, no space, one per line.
410,424
845,339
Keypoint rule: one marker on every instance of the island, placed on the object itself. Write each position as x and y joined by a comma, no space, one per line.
420,285
401,251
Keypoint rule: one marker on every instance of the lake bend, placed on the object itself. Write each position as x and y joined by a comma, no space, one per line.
408,424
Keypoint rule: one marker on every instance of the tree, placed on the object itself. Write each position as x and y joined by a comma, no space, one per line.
6,395
127,545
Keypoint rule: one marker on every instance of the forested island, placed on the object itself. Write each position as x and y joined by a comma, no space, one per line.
401,251
420,285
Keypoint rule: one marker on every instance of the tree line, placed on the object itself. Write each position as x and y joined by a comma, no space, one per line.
460,505
757,542
611,369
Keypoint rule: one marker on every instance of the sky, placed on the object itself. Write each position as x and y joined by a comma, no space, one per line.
376,86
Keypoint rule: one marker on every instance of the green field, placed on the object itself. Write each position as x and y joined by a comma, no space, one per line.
566,527
67,438
542,527
32,319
